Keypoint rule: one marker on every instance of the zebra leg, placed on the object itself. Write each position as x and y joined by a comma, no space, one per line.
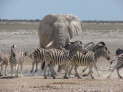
6,66
119,76
52,71
90,72
36,69
17,69
76,72
33,63
86,74
21,69
12,66
96,70
1,70
85,69
45,70
66,72
111,72
59,68
70,71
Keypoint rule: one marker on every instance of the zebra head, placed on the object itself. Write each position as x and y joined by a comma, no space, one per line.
101,50
75,46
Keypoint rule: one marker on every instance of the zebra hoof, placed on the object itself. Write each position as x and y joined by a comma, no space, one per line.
108,77
36,71
31,71
5,74
16,76
45,77
83,71
92,77
65,77
84,75
120,77
1,74
78,76
54,77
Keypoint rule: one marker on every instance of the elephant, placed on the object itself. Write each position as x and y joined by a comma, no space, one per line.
55,30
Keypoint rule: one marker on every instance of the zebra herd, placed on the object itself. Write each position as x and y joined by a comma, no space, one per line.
73,55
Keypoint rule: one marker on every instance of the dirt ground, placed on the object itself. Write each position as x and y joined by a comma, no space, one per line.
38,84
28,40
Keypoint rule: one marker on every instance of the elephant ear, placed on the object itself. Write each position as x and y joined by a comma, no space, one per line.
74,28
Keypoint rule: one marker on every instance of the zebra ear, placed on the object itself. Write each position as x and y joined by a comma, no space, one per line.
101,44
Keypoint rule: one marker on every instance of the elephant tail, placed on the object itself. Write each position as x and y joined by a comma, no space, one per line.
43,65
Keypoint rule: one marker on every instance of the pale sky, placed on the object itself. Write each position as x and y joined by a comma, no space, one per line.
85,9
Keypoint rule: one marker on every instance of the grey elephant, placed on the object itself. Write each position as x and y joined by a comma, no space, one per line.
55,30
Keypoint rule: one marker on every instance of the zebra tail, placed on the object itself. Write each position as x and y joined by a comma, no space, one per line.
43,65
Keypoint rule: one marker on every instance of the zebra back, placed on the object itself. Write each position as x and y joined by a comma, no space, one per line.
57,56
83,59
38,54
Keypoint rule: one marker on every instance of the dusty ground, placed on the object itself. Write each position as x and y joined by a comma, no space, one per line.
38,84
28,40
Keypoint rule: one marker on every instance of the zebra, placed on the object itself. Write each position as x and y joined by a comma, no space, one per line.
59,57
4,62
16,59
89,46
38,57
119,63
90,58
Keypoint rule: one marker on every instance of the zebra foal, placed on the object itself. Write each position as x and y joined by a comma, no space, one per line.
16,60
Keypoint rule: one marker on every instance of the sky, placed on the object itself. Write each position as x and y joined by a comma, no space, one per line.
84,9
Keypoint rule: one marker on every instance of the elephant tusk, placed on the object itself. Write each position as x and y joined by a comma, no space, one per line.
49,44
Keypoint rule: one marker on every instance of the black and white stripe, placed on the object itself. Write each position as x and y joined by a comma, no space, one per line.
119,63
90,58
59,57
38,57
16,60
